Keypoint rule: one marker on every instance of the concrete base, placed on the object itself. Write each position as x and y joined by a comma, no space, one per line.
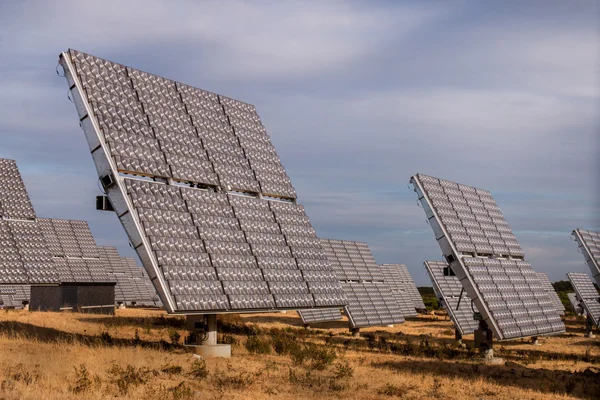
122,306
493,361
283,312
390,326
216,350
590,335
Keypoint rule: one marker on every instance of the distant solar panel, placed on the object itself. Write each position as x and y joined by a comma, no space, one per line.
547,285
370,299
13,296
220,243
25,258
577,308
401,290
74,251
452,297
324,315
587,293
484,254
589,243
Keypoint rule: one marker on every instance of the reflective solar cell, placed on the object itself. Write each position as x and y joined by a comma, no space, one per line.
408,285
24,253
13,296
455,301
323,315
370,300
199,189
549,289
482,251
587,293
399,287
589,245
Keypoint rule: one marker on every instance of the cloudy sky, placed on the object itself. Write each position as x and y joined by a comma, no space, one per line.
356,96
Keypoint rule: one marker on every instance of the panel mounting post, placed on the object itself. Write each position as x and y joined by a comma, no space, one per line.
589,326
203,329
355,332
457,336
535,341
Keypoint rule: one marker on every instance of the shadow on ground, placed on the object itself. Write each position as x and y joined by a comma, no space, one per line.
51,335
584,384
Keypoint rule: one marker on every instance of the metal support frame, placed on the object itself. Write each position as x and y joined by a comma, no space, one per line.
458,336
589,326
484,341
535,341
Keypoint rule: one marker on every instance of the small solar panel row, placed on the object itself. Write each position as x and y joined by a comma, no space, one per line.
399,288
455,301
351,260
575,303
371,304
13,296
589,243
320,315
587,293
547,285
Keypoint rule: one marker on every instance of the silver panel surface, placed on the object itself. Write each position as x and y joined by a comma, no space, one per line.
451,296
370,300
547,285
24,254
575,303
589,246
396,279
484,254
196,181
587,294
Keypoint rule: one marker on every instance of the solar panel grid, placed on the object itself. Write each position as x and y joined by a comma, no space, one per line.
397,283
411,287
575,303
549,289
13,296
370,300
449,291
25,257
589,243
474,235
587,293
159,128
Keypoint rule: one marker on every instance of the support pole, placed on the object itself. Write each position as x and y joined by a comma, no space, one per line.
589,326
484,341
204,330
211,331
457,336
355,332
535,341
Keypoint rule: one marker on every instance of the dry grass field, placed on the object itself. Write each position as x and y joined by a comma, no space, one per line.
138,354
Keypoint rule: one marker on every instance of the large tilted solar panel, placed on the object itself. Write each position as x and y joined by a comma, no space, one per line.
13,296
397,283
370,300
589,243
587,293
205,251
547,285
486,257
74,251
455,301
24,256
576,304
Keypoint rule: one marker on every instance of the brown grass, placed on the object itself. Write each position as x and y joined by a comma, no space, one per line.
74,356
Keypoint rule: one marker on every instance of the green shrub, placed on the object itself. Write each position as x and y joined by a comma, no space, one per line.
255,344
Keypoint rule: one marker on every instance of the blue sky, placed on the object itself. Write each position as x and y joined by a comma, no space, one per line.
356,96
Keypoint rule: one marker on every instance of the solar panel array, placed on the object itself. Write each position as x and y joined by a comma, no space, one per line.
411,288
485,255
586,291
209,251
547,285
74,251
13,296
400,288
132,286
575,303
323,315
589,243
370,300
24,256
455,301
